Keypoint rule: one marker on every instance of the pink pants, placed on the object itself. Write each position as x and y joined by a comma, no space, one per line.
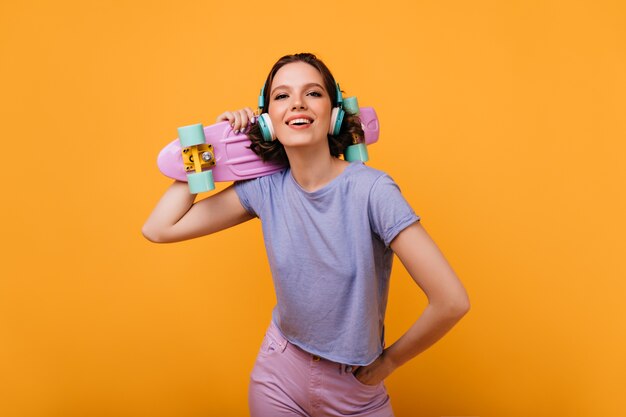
288,381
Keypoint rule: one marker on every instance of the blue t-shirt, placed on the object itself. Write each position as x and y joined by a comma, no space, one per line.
329,256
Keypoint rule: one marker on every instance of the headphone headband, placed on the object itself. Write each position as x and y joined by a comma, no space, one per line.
339,96
261,100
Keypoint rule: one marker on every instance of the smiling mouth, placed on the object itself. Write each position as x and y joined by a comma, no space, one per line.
299,122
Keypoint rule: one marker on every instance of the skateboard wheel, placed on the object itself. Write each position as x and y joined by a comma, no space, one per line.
351,105
191,135
356,152
200,182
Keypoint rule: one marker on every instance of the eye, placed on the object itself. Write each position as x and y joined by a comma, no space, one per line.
311,93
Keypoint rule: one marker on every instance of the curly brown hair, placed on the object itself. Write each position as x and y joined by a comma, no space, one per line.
351,131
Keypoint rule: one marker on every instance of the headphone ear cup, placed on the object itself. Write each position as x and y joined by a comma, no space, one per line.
336,119
267,130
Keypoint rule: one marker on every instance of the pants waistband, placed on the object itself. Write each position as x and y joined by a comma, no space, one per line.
282,342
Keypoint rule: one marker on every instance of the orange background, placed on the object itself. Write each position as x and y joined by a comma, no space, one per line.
503,123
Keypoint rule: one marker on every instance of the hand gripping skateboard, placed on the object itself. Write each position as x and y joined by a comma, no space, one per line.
202,155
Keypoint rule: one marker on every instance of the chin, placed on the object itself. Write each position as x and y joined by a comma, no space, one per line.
298,139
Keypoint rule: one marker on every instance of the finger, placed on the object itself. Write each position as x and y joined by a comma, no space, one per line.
225,116
247,118
244,118
237,123
250,113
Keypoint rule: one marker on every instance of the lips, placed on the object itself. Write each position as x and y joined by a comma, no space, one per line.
299,120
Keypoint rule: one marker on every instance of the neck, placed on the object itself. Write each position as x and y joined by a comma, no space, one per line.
314,168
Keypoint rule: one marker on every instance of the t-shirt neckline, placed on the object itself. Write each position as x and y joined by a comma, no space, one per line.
331,184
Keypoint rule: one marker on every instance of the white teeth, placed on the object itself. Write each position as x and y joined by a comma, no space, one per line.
294,121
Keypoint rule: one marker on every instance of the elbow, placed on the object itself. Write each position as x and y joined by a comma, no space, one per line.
460,306
152,235
455,308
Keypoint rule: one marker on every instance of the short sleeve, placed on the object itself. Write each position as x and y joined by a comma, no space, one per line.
389,212
250,195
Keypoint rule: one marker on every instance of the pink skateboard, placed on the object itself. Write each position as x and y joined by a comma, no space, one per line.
214,153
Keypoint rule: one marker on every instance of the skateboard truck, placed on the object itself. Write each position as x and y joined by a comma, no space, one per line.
203,153
198,158
358,150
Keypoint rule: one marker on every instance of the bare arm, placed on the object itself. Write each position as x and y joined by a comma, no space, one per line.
448,302
447,299
176,217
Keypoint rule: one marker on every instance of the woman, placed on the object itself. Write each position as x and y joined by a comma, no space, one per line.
331,228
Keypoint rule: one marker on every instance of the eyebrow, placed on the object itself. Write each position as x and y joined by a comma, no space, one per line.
288,88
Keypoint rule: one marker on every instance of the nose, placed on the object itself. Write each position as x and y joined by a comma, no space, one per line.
298,103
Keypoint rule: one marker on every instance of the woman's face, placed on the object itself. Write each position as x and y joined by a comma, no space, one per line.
300,106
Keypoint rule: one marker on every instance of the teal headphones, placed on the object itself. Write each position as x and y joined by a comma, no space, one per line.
336,117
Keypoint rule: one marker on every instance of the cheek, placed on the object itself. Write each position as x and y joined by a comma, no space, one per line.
325,110
277,121
275,116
